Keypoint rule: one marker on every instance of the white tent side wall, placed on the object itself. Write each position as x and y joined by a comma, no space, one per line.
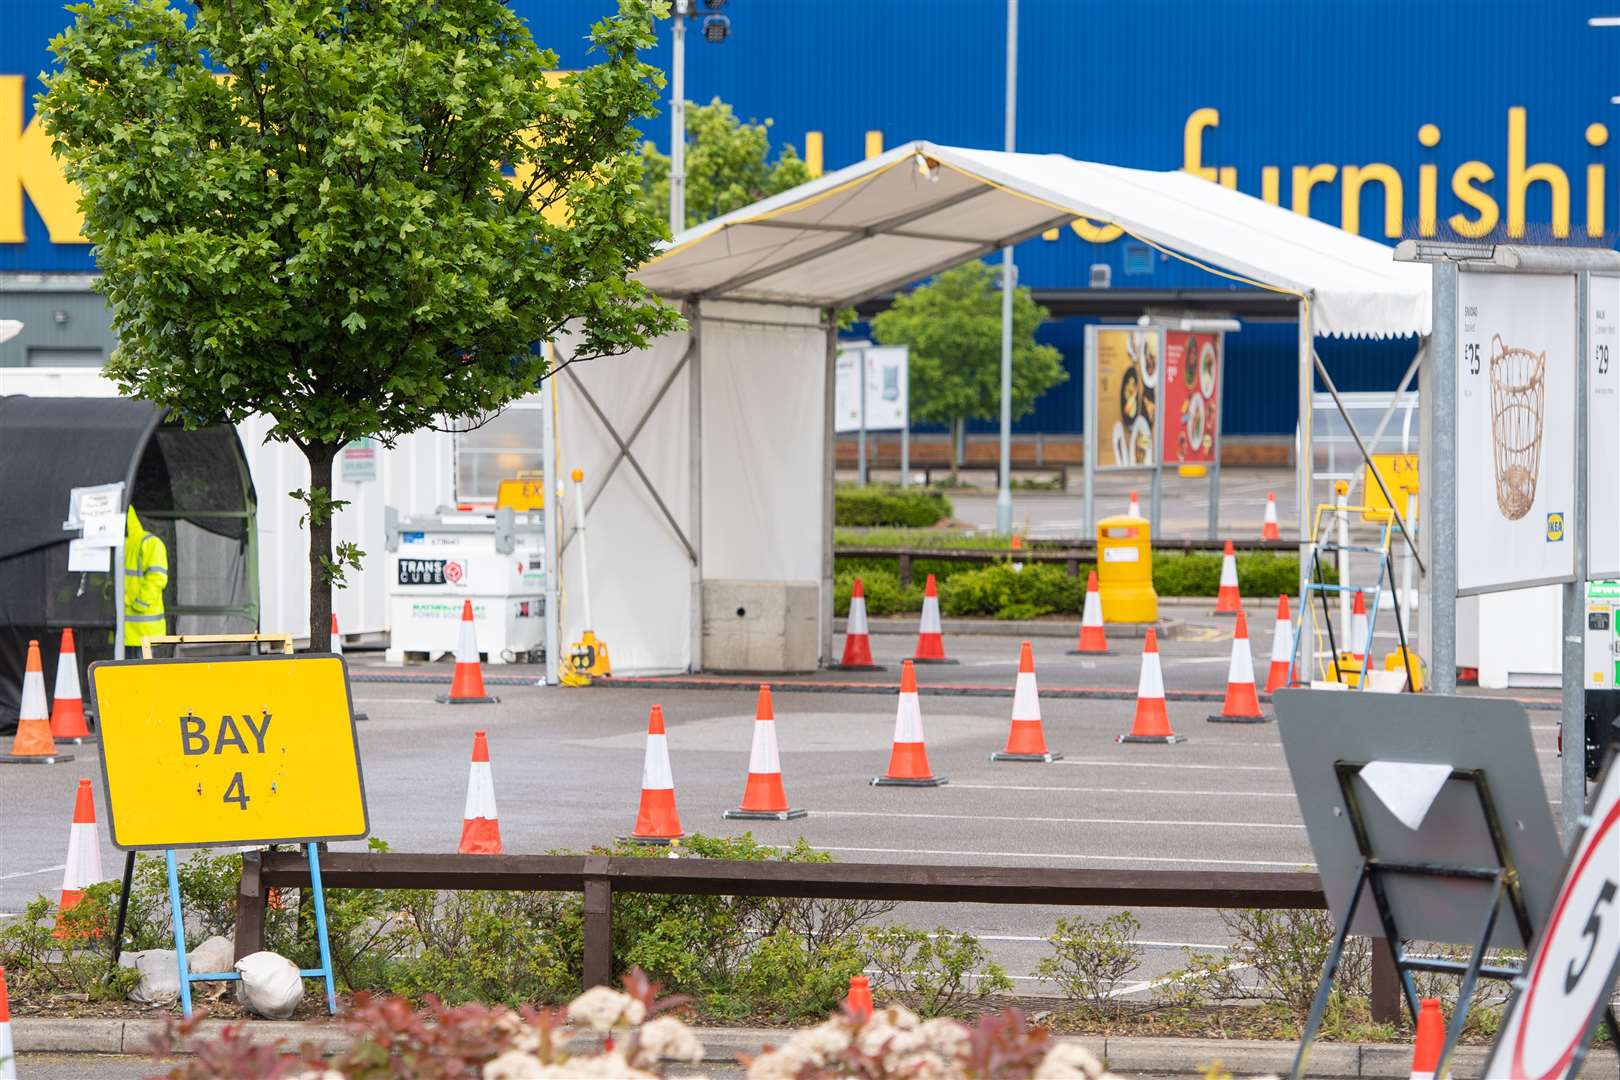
763,375
640,573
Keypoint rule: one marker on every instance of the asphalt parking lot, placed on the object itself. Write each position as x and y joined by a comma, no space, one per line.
567,766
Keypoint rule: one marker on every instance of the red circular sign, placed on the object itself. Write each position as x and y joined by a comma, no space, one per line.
1592,843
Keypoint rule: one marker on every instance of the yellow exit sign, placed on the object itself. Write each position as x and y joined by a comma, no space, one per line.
252,750
1400,475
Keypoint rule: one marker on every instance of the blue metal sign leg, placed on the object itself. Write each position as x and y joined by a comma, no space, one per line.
325,970
179,934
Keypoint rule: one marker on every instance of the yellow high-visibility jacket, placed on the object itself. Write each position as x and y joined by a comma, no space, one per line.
146,574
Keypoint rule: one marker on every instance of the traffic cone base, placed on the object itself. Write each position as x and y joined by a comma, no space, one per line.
933,660
906,781
1166,739
1219,718
35,759
33,744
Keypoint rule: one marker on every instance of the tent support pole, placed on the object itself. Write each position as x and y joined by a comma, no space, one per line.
694,392
828,448
1442,479
1306,461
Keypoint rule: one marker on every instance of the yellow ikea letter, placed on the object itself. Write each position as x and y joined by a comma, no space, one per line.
27,164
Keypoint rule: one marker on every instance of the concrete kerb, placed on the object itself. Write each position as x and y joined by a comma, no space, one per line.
1137,1054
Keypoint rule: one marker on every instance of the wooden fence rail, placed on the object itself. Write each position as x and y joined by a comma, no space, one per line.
598,877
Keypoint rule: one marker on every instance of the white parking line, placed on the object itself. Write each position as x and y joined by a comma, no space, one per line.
1116,764
1144,944
1056,820
1297,864
1122,791
31,873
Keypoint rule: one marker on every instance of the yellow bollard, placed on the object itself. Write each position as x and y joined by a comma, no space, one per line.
1125,570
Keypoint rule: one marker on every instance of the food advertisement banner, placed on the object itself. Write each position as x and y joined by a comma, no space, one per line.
1128,364
1192,396
1516,358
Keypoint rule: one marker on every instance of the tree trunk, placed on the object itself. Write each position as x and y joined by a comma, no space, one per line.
320,458
958,445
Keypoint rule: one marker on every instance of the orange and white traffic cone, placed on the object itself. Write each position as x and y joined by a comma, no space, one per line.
1242,705
908,760
337,650
1135,509
33,744
763,796
1227,600
857,636
1268,529
1026,741
83,854
1356,643
480,821
1093,638
67,706
1152,722
467,685
930,638
657,821
1282,648
8,1053
1430,1039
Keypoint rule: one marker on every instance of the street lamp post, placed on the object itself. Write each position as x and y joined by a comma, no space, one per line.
677,123
716,28
1004,491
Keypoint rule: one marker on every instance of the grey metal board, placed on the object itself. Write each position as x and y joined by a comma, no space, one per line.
1322,727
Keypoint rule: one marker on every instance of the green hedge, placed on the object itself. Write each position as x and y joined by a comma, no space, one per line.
884,595
1003,592
999,591
908,507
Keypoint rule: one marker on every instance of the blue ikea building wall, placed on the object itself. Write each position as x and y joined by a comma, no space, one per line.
1488,104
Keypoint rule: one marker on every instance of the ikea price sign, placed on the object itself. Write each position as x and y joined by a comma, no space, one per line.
252,750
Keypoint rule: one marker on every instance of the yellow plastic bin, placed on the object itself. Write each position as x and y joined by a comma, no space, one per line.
1125,570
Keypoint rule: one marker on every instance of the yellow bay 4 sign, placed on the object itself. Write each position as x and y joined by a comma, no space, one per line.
255,750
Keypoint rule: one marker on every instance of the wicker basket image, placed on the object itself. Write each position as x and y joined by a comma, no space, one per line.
1518,399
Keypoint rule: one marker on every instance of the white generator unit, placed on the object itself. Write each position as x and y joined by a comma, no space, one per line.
493,558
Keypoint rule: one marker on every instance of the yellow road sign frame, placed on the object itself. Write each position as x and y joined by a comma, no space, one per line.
214,751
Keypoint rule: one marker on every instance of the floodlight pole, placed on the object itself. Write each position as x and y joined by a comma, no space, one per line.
1004,491
677,122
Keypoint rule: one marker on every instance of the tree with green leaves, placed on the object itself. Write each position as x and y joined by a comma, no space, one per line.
356,218
727,165
952,326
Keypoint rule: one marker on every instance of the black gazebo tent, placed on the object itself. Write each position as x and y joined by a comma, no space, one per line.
192,488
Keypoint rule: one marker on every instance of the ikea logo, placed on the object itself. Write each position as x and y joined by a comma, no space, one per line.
1555,527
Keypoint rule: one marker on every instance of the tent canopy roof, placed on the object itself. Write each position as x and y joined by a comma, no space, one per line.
921,208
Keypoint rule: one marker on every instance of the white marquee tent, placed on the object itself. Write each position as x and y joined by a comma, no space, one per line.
709,456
